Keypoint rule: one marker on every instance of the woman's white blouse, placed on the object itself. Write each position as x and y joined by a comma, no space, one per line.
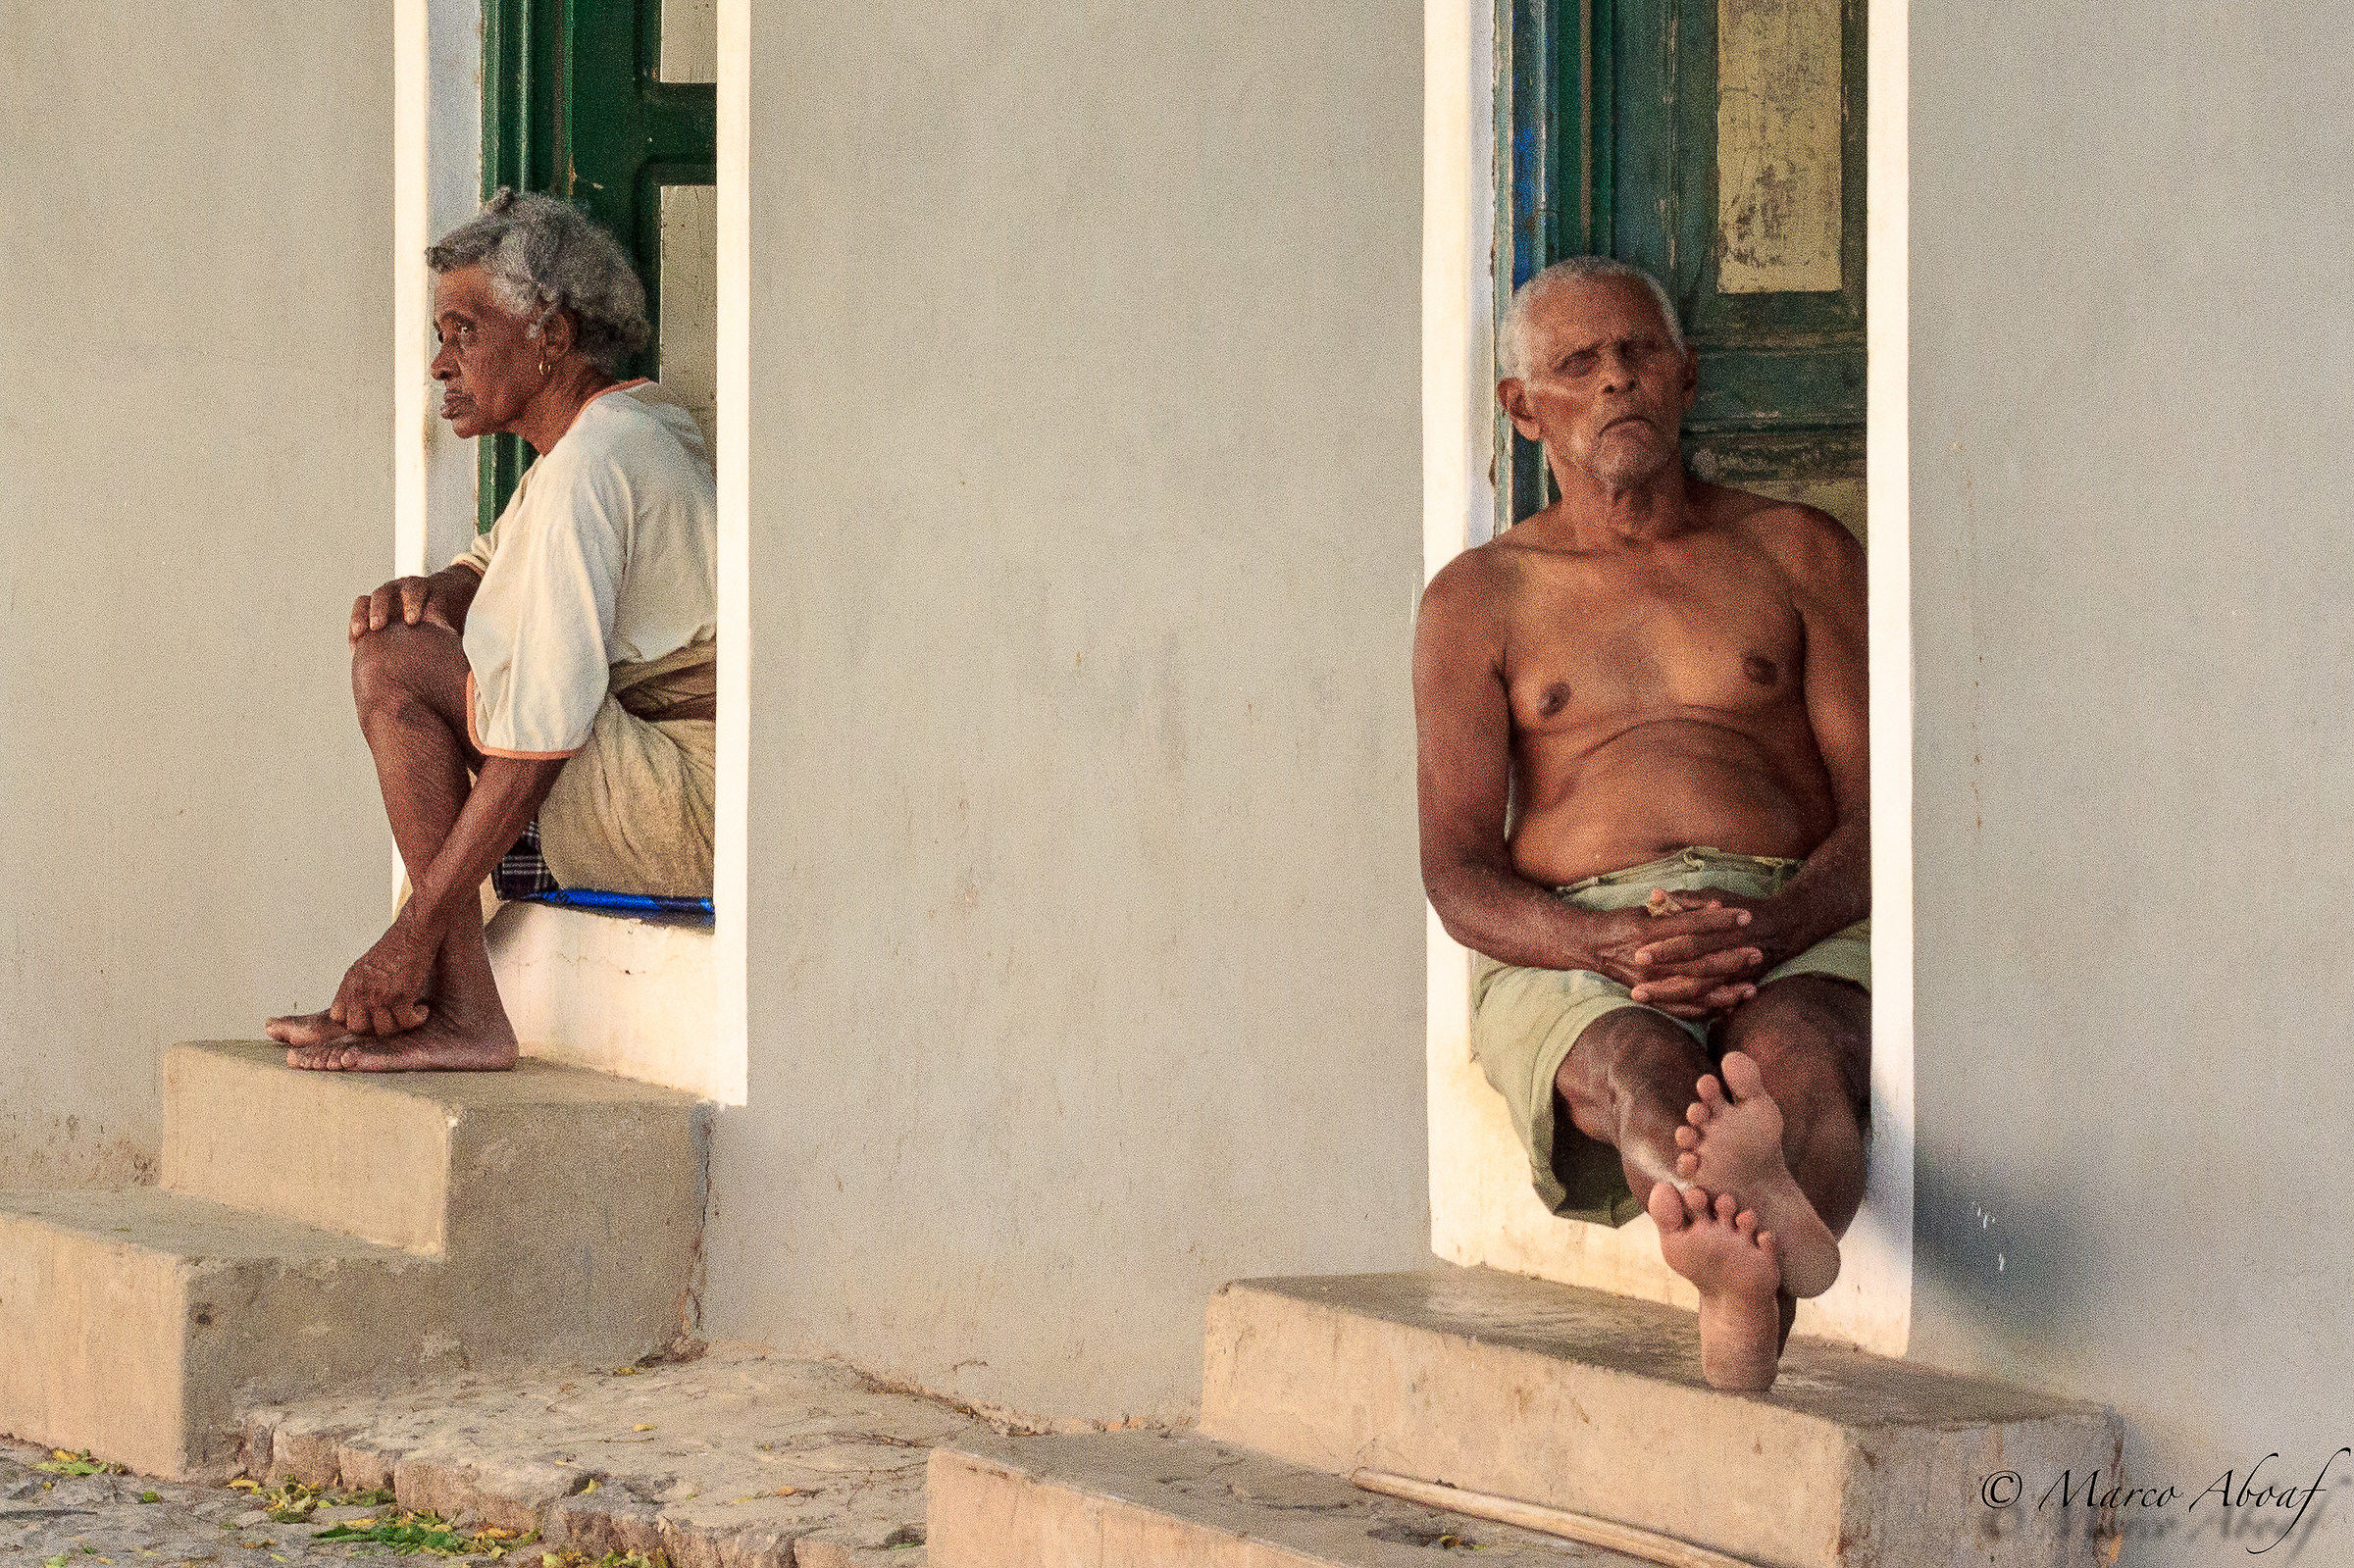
603,559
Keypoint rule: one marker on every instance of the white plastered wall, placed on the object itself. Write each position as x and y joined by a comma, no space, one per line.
195,389
1084,477
1483,1210
2131,419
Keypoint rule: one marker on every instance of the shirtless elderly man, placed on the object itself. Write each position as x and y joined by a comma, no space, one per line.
1664,681
561,672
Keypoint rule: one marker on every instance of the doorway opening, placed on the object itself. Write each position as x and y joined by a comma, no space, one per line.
1750,154
633,109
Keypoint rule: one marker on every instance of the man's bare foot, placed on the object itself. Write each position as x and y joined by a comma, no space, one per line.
1736,1148
1739,1276
317,1028
442,1043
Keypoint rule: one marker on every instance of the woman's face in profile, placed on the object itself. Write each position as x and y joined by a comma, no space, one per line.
487,366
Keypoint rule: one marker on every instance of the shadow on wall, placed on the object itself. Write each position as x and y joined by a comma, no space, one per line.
2014,1258
2016,1271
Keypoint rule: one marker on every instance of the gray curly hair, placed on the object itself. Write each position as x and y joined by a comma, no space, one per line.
545,255
1512,347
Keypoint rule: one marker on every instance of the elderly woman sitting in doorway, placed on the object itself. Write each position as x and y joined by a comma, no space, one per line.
561,670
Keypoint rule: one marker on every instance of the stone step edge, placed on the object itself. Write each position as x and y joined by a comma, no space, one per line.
1805,1364
422,1162
550,1499
122,1326
90,1215
1121,1476
547,1084
1461,1375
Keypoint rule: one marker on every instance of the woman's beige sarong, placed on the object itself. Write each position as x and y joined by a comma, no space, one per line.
631,811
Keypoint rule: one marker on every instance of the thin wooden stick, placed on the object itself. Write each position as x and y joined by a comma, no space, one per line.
1644,1543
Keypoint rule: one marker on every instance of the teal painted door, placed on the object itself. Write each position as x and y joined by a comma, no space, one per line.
1721,144
574,104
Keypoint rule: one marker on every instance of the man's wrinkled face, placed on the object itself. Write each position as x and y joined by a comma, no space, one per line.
1605,389
487,367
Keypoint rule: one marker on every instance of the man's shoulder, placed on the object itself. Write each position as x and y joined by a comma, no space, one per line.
1811,545
1474,587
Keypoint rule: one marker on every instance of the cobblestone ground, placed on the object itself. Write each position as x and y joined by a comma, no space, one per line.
738,1459
56,1513
53,1517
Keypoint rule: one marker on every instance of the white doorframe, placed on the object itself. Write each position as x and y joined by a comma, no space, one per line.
731,849
1888,487
436,180
1481,1208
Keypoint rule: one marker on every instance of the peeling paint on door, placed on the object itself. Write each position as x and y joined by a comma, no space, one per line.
1778,146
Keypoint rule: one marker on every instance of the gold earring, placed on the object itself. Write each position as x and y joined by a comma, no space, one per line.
544,364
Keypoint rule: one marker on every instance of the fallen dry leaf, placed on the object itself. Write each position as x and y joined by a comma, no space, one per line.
781,1491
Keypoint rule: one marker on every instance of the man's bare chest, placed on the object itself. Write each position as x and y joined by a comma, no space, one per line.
1597,647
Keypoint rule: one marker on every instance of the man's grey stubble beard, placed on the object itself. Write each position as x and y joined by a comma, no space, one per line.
1617,466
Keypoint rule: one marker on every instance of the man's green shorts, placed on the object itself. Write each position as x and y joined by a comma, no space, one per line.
1523,1021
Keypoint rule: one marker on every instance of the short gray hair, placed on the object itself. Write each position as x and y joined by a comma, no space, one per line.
545,255
1511,338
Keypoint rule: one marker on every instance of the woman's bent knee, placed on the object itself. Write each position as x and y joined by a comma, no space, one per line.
402,663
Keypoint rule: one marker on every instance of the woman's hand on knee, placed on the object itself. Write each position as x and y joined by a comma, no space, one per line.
413,601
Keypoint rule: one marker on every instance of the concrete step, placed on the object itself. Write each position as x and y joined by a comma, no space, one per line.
1595,1403
131,1322
319,1231
545,1158
1156,1500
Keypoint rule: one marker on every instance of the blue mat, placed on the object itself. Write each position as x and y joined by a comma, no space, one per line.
622,903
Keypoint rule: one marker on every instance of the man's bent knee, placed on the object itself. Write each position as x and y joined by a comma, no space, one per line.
1627,1048
1812,1032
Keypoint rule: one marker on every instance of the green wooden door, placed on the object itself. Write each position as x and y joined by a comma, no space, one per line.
1721,144
574,104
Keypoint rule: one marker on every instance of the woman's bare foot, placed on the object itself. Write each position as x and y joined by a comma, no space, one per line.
1739,1275
318,1029
1734,1146
443,1043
